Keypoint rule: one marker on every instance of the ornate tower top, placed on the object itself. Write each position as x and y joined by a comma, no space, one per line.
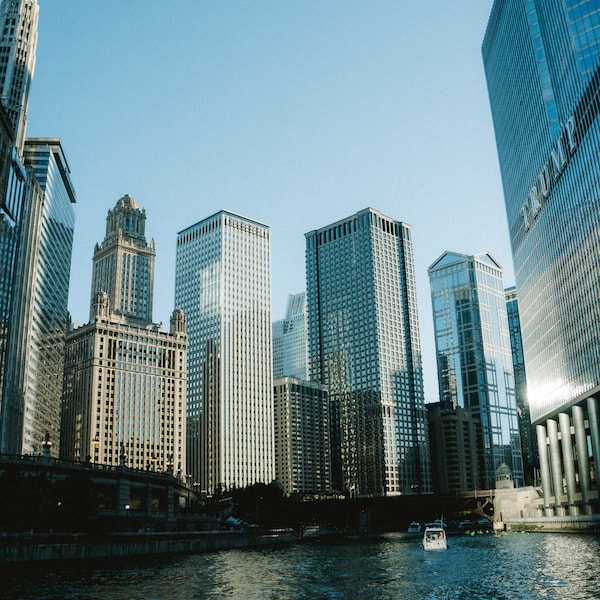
124,264
126,220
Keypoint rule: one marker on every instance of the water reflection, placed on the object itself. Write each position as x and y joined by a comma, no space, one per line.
517,566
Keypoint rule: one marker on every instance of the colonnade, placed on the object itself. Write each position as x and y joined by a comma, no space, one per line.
569,448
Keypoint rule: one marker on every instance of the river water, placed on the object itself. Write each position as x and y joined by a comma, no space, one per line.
510,567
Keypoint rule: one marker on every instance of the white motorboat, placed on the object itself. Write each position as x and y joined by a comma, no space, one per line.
435,538
415,527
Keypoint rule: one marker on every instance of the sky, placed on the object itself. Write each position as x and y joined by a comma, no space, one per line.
294,113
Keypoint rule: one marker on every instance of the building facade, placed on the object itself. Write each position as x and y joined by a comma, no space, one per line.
531,463
454,449
124,264
364,346
32,387
301,425
223,283
13,183
547,132
474,358
124,395
290,347
18,43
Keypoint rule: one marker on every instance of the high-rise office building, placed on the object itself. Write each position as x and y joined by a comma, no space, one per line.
290,348
474,358
18,42
543,75
526,429
125,379
13,178
364,346
223,283
454,449
18,20
32,390
301,425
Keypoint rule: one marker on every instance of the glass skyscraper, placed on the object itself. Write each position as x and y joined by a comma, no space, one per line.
223,284
543,74
527,431
32,389
13,183
364,346
290,348
474,358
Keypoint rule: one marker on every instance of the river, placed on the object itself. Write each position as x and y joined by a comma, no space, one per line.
390,566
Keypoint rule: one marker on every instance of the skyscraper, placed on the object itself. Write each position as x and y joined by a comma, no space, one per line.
223,283
290,349
301,425
124,264
364,346
31,395
474,358
125,379
527,431
13,183
19,21
543,77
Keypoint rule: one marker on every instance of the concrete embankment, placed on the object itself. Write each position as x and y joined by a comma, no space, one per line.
566,524
60,547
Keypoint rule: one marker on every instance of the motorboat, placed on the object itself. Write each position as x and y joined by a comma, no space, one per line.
415,527
435,538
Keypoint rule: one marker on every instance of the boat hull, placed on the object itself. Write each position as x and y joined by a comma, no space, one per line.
435,538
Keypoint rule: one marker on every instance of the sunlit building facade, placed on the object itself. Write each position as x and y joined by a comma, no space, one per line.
474,359
124,396
223,283
124,264
364,346
542,67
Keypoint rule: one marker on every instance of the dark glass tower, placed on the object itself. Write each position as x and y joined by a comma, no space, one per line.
531,461
364,345
543,77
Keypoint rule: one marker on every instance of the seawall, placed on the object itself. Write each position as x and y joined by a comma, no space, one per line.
566,524
61,547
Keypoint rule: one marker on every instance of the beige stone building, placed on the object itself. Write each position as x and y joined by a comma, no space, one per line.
124,398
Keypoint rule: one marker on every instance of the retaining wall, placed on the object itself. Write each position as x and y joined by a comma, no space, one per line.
48,548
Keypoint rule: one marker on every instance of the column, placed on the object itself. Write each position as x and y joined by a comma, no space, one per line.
544,468
592,406
568,461
555,465
582,458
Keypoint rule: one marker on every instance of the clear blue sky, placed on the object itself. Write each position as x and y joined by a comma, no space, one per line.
294,113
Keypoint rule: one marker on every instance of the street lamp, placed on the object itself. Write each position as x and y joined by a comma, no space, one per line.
46,445
96,443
